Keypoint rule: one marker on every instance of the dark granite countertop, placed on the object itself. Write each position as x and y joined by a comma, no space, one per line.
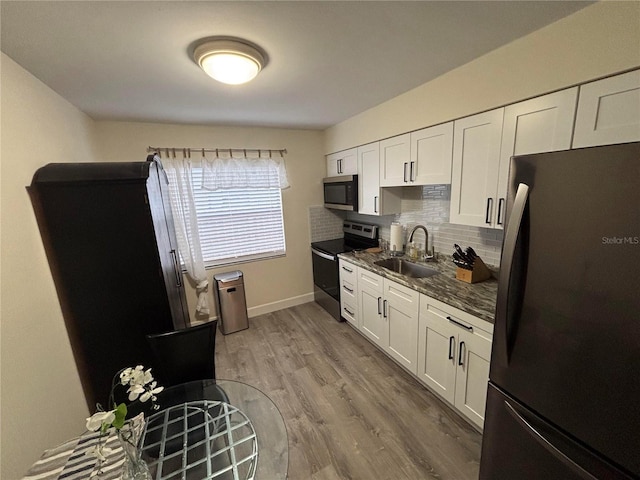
477,299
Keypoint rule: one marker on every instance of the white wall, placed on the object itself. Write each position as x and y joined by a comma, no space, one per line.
269,284
41,397
596,41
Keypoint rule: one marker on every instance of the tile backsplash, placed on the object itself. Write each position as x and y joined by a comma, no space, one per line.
423,205
325,224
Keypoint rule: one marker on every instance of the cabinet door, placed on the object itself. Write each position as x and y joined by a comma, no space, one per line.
609,111
348,292
401,311
431,155
372,322
542,124
472,375
395,155
476,157
342,163
437,345
369,179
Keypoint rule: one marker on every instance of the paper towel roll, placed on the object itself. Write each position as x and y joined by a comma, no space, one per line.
395,244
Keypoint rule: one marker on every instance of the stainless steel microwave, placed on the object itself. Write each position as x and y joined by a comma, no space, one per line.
341,193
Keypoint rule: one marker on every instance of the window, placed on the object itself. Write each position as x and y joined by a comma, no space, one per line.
238,225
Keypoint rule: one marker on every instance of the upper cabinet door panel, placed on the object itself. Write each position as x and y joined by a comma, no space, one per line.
431,154
395,155
542,124
609,111
342,163
369,178
474,178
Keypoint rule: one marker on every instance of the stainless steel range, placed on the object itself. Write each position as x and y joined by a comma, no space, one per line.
326,277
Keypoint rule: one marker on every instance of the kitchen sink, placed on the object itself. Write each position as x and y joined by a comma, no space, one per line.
409,269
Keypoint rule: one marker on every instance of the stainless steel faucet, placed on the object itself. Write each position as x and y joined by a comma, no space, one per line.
426,240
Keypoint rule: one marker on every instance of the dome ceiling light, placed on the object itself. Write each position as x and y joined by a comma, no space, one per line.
229,60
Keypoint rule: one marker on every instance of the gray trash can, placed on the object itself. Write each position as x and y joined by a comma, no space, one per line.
231,301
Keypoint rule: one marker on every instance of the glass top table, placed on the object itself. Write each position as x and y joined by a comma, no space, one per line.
207,429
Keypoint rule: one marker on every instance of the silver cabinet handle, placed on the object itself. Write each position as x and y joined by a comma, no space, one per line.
375,204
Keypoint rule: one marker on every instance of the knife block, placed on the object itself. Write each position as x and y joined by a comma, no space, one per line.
479,273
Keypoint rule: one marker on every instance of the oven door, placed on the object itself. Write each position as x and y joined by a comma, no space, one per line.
325,272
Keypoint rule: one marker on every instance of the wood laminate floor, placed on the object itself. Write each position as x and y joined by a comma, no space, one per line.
350,411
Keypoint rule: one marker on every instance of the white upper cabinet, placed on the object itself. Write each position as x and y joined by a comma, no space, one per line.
417,158
374,200
342,163
474,176
485,143
542,124
609,111
431,154
394,160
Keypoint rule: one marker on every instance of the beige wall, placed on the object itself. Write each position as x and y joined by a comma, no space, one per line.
41,397
597,41
269,284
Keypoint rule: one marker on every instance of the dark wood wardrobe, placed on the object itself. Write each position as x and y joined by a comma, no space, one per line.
110,240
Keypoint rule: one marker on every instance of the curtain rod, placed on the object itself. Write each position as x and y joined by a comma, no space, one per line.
170,152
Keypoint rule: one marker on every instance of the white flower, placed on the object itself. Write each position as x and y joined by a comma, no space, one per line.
95,421
135,391
99,451
150,392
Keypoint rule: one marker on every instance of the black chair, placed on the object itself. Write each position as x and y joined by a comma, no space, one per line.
181,356
184,355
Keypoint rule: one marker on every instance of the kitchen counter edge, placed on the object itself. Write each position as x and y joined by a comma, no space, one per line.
477,299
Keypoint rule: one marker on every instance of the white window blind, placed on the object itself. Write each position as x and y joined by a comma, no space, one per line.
238,225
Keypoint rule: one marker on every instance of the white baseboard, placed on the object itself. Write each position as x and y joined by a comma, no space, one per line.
274,306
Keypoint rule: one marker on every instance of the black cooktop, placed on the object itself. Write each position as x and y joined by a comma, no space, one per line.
332,247
357,236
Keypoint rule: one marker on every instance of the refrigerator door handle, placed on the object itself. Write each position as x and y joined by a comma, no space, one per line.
504,308
538,436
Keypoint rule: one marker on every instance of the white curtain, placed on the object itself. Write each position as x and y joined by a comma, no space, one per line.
186,224
244,173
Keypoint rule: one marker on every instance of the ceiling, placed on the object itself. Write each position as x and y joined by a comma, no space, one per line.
328,60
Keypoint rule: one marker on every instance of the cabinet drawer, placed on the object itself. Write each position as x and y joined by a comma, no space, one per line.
348,292
348,272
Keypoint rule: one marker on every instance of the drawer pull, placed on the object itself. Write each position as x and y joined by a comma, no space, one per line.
350,290
348,311
466,327
347,269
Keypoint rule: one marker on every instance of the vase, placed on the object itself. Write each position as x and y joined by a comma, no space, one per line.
130,436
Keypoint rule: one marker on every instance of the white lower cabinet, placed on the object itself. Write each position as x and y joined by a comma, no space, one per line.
348,292
389,316
454,351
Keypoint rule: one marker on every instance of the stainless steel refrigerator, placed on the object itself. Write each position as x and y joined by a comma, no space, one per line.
564,392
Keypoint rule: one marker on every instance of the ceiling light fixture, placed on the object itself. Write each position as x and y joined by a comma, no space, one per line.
229,60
